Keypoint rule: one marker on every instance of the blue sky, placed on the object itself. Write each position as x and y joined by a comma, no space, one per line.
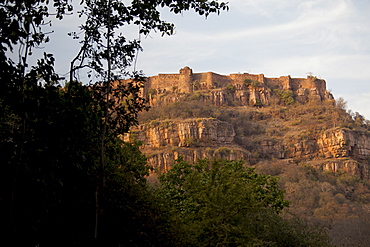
328,38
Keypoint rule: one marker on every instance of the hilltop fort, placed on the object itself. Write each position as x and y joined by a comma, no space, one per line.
248,117
248,89
286,127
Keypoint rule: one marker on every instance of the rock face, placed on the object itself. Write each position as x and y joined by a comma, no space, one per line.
333,149
192,139
191,132
337,148
163,161
349,166
341,142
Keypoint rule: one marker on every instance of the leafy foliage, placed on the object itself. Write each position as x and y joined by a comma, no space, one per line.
103,41
58,169
286,96
53,138
338,201
223,203
230,87
247,82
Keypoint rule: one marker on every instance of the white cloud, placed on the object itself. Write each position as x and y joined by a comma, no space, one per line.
274,37
322,31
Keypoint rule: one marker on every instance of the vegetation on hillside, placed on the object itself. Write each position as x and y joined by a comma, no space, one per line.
68,179
337,201
223,203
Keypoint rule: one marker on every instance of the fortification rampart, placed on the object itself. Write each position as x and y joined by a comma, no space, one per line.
187,81
203,80
240,78
171,82
211,80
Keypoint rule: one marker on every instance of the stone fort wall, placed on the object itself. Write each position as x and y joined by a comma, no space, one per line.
186,81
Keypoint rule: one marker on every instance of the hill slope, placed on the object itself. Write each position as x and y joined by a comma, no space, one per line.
250,117
288,127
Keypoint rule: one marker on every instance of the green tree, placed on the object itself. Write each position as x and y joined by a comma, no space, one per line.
286,96
258,103
223,203
230,87
54,200
52,138
247,82
109,53
49,187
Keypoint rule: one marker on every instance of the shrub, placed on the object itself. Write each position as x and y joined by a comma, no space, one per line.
255,84
154,123
230,87
223,151
196,96
286,96
191,142
196,85
247,82
258,103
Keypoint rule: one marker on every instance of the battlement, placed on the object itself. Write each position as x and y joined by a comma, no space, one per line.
186,81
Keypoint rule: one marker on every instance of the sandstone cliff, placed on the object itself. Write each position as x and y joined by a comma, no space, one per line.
249,117
336,149
190,132
165,141
342,142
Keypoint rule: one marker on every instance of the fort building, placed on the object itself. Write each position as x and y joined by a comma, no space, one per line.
186,82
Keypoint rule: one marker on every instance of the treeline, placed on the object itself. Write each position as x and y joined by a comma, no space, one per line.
50,172
224,203
66,176
337,201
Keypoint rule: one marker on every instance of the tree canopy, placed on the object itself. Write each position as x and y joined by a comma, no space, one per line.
66,176
223,203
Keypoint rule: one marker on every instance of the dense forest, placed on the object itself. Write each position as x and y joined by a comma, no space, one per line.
68,179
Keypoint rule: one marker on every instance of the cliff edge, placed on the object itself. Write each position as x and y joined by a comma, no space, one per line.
249,117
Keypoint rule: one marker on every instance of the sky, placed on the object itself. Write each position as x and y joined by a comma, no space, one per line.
329,39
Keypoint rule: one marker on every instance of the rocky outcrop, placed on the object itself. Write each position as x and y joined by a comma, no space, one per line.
332,143
188,133
345,165
342,142
192,139
337,149
163,161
